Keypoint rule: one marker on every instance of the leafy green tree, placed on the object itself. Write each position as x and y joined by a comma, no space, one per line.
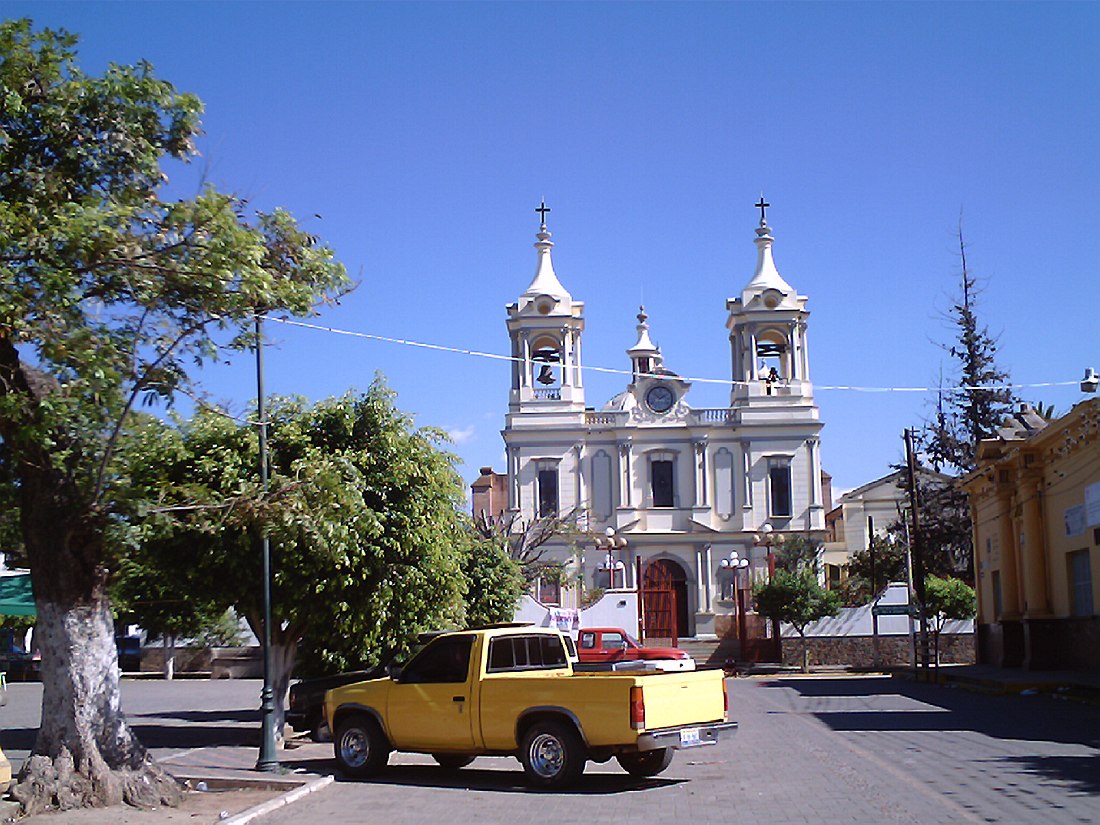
140,595
369,545
494,583
797,554
798,599
890,565
11,531
944,526
947,599
109,294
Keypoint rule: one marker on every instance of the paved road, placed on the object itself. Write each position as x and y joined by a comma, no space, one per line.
169,717
837,750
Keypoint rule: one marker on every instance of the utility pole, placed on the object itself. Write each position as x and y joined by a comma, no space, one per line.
876,655
268,760
916,546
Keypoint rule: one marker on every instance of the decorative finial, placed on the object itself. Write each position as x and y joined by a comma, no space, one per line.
762,206
542,210
642,317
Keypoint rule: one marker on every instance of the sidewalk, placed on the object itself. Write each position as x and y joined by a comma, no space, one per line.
1070,684
224,788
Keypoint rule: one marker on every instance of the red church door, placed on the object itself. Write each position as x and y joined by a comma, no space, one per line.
664,600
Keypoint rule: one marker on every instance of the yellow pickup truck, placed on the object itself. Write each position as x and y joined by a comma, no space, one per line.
512,690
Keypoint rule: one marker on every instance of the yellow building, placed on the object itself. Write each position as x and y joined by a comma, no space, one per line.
1035,503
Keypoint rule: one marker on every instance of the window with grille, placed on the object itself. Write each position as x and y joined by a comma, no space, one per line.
1080,579
664,492
548,492
779,493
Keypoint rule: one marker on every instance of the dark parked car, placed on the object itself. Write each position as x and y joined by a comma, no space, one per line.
129,653
305,712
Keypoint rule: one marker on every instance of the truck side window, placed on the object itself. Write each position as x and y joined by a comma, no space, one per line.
588,641
525,653
445,660
500,654
553,654
613,641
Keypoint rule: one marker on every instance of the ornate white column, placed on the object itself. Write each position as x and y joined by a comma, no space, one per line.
566,357
700,447
526,380
513,476
626,494
581,498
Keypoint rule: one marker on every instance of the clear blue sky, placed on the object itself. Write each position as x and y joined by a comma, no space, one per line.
425,134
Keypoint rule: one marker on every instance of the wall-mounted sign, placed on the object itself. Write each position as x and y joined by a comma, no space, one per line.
1092,504
1075,520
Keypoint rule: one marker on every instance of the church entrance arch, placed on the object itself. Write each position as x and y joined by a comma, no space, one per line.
665,600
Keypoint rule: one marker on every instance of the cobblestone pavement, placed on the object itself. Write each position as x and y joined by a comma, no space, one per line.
819,749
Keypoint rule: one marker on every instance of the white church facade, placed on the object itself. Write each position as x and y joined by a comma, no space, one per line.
689,493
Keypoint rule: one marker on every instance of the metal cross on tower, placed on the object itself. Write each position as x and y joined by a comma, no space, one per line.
542,209
761,205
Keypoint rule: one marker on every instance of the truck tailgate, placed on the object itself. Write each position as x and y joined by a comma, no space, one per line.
674,699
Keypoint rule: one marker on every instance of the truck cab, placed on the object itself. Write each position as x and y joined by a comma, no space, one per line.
608,645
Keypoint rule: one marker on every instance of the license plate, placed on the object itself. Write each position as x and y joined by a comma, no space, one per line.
689,737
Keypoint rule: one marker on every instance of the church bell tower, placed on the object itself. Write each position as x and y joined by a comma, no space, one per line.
545,326
767,332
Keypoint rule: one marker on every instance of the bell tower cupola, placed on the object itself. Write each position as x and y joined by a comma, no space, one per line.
767,333
545,326
645,358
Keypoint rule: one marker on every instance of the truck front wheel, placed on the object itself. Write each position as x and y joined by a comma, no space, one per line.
645,763
553,755
360,746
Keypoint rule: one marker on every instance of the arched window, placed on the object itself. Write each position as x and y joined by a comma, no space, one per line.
546,363
772,356
662,479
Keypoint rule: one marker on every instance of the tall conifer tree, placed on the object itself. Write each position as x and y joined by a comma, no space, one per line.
970,409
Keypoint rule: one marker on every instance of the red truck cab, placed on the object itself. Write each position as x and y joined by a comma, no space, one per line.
599,645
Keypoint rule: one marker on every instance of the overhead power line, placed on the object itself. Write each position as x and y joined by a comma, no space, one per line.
613,371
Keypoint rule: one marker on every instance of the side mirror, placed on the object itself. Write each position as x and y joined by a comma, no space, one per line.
394,671
624,645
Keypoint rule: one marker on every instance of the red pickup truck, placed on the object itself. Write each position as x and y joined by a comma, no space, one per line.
599,645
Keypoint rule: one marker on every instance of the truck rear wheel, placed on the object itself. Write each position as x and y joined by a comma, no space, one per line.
360,746
553,755
645,763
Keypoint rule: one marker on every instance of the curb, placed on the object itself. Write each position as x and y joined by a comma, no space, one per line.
1057,688
290,796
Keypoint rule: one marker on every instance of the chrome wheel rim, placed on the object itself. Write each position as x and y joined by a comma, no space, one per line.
547,756
354,748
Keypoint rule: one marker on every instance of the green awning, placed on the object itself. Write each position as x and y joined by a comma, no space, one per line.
16,596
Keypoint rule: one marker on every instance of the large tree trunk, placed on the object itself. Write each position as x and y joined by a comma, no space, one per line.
85,754
284,655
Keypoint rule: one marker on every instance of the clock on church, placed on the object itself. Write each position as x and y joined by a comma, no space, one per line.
660,399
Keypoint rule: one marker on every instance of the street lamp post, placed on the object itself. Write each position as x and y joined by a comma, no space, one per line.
768,539
609,542
736,564
267,761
